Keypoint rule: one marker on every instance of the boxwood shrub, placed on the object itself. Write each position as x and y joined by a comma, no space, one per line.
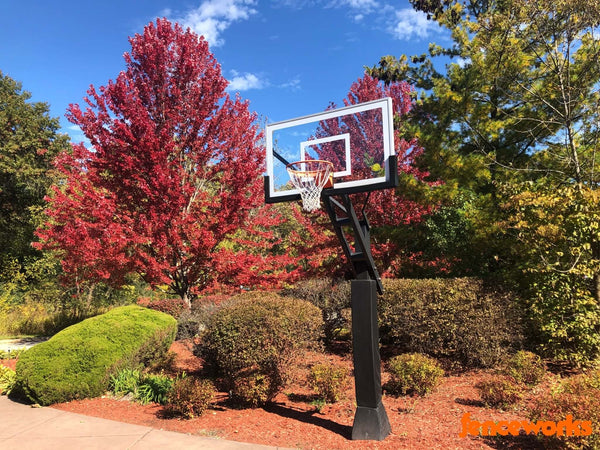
250,343
78,361
464,321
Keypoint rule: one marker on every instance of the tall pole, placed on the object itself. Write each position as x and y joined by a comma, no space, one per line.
370,420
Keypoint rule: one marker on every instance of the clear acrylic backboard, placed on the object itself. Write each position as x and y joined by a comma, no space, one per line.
357,139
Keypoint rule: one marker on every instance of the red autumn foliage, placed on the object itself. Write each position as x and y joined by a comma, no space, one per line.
388,208
174,171
172,187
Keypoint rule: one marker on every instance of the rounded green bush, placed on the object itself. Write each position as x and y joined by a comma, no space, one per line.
500,391
413,374
250,343
79,361
525,367
328,381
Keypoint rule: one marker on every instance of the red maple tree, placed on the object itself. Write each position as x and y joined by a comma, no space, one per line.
174,171
389,208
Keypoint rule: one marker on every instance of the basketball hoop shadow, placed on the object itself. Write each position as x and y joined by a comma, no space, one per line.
309,417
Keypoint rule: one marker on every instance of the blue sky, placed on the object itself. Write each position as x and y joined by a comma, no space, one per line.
289,58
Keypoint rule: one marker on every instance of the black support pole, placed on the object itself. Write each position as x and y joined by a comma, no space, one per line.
370,420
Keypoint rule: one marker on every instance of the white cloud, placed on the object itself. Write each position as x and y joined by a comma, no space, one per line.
463,62
213,17
409,23
360,4
76,135
293,84
359,8
244,82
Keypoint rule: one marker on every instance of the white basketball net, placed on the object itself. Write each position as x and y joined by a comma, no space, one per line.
309,177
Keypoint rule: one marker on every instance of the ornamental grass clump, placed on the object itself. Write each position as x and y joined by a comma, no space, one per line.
78,361
154,388
125,381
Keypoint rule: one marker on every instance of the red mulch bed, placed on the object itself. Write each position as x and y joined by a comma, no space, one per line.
10,363
432,422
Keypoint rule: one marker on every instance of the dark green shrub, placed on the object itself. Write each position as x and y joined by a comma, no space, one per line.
330,297
153,388
328,381
579,397
413,374
462,320
190,397
250,343
78,361
500,391
525,367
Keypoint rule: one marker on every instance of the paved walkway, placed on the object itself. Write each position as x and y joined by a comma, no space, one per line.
23,427
10,345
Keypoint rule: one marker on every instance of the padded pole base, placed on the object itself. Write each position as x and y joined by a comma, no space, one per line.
371,424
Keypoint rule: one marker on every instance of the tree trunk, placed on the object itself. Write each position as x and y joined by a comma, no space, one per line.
186,298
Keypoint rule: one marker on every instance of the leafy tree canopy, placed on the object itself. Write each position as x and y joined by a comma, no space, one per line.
174,170
29,141
511,125
518,99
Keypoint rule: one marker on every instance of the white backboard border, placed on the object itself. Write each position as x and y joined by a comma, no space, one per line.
390,179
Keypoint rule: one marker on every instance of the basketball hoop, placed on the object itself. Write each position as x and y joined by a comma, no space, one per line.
310,177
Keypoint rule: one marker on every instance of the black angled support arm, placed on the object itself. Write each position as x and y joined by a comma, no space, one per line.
341,214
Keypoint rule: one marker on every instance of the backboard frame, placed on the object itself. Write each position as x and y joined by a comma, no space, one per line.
388,180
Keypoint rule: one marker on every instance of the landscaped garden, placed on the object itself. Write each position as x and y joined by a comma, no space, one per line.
277,369
173,296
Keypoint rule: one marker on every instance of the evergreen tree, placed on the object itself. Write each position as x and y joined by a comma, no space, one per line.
29,141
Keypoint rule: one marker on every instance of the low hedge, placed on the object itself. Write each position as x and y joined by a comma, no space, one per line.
332,297
464,321
78,361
